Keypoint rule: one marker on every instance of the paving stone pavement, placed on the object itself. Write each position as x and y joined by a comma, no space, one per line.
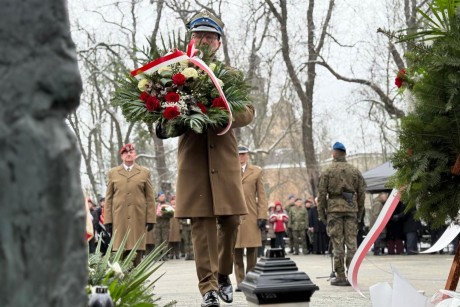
426,273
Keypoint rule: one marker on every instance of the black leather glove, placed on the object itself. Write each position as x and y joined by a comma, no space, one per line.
149,226
396,217
160,132
262,223
108,228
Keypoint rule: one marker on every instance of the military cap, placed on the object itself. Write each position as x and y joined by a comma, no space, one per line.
126,148
205,22
291,196
338,146
242,149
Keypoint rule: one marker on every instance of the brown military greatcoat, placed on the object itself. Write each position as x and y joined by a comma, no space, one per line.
209,176
129,204
256,202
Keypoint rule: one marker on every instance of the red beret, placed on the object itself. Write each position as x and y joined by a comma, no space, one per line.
278,203
126,148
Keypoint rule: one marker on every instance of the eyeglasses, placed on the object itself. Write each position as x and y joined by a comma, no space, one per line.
209,37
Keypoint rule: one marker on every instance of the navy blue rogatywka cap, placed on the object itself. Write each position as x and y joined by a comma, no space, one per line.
338,146
205,22
243,149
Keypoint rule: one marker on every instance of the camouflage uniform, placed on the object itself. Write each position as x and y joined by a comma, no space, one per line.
289,232
298,223
161,230
342,216
186,238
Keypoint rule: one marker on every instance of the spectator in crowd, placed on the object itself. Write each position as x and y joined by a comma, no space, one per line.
129,203
377,206
309,237
279,219
103,235
94,221
287,208
186,239
317,227
298,224
174,233
395,232
165,213
271,231
411,226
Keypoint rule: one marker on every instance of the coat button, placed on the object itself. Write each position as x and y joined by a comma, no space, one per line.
213,171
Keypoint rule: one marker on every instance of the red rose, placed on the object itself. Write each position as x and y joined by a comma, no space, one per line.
172,97
144,96
218,103
152,103
171,112
178,79
399,78
202,107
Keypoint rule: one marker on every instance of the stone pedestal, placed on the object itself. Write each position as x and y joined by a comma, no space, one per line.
276,281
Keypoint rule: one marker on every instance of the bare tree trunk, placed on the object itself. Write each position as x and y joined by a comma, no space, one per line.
305,96
160,159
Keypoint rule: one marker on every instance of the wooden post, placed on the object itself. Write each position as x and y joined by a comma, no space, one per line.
454,274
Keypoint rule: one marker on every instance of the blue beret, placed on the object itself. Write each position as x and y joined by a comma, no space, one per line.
338,146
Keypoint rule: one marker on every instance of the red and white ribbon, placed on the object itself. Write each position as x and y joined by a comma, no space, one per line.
178,56
374,232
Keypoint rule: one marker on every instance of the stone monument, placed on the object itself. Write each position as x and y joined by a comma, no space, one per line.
42,247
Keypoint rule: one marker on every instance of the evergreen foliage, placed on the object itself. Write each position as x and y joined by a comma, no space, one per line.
128,286
428,161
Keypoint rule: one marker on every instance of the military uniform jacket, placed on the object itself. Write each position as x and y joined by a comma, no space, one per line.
254,193
129,204
298,218
340,177
209,176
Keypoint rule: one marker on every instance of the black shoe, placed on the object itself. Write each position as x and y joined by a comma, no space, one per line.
210,299
225,288
237,289
189,257
340,282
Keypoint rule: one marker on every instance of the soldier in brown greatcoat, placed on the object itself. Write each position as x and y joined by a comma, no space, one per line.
209,189
249,235
129,202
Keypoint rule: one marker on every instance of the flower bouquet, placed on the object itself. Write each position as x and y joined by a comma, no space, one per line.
167,212
181,91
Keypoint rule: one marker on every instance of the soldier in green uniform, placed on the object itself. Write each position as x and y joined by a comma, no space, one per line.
164,214
289,234
298,224
186,238
341,194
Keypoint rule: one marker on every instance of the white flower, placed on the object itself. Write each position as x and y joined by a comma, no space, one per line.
212,66
220,82
164,69
116,268
143,84
190,72
184,64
